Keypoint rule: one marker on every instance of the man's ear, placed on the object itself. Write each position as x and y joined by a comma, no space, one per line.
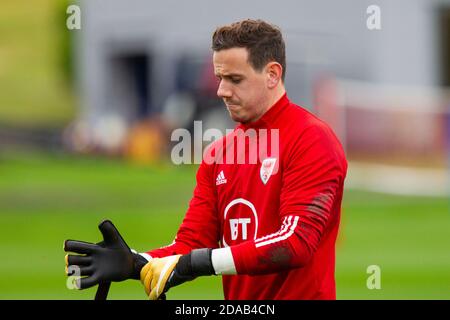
274,71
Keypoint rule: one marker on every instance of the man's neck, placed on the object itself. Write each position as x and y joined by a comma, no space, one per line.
277,94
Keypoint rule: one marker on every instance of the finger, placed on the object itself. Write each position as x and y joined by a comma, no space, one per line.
66,270
160,281
145,277
157,284
110,234
147,281
153,295
86,271
144,271
74,270
154,285
78,260
71,270
79,246
87,282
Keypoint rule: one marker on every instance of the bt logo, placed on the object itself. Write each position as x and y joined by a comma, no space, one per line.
234,227
240,222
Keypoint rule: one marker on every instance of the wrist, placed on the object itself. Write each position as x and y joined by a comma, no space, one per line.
190,266
139,262
199,261
223,261
196,263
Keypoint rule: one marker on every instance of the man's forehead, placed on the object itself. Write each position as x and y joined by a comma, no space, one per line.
233,60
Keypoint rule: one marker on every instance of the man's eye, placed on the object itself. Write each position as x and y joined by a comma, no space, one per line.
236,81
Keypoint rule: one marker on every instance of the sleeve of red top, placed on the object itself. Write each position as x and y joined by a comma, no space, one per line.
200,227
311,181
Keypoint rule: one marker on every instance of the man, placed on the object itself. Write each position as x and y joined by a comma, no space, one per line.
268,227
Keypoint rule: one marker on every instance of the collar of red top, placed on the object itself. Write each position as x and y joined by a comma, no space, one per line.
268,117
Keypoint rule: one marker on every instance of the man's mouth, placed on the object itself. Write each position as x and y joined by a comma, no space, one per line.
231,105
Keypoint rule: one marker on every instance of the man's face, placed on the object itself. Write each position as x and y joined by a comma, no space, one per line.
243,89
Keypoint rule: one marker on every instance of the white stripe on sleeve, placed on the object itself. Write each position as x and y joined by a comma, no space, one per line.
282,237
286,224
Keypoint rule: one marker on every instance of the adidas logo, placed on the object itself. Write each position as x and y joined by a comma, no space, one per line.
220,178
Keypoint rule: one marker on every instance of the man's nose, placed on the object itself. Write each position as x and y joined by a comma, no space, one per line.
223,91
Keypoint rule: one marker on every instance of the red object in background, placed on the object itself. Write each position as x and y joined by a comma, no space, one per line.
325,101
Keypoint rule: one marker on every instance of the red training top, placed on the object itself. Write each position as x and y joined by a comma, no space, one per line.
275,200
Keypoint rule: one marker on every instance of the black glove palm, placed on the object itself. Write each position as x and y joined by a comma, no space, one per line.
109,260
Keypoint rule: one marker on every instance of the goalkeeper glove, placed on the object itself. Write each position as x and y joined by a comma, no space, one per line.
160,274
109,260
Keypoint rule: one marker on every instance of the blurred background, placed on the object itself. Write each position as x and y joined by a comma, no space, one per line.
87,109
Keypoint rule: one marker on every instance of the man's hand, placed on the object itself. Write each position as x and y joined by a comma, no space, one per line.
109,260
156,273
160,274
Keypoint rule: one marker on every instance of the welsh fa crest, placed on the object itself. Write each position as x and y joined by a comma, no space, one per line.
266,169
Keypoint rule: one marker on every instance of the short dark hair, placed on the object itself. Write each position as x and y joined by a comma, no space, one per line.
263,41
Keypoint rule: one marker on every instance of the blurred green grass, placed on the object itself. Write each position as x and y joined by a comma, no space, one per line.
46,198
